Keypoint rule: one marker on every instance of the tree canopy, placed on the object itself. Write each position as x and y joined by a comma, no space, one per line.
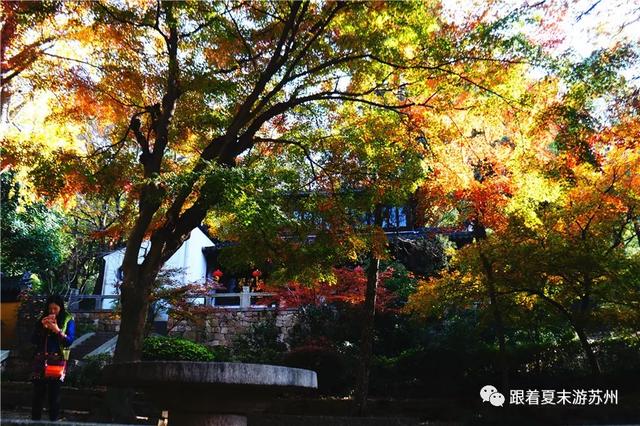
158,116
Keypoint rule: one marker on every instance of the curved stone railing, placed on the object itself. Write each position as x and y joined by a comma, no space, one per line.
210,393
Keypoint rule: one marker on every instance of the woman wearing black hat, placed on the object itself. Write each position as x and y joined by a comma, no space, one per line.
54,332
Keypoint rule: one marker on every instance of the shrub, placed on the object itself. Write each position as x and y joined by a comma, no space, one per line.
619,355
160,348
83,327
259,344
337,322
89,371
335,372
221,353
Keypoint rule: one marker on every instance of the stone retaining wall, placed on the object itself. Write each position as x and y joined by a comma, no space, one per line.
215,328
219,328
30,311
98,321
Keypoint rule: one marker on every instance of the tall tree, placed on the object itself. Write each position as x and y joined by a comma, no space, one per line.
33,236
171,94
167,100
369,164
562,220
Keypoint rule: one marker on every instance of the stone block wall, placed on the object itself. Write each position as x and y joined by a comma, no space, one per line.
219,328
31,310
98,321
216,328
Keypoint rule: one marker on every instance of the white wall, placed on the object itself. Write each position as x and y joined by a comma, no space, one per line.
195,265
189,259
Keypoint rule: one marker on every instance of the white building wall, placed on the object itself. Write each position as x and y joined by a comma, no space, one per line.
188,260
195,266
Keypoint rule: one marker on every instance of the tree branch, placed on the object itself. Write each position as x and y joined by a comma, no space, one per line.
154,26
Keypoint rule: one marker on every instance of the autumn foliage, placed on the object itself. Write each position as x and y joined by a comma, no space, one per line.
348,288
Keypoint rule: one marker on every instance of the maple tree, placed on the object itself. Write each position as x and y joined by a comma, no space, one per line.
166,99
183,110
576,261
253,76
560,202
352,180
16,53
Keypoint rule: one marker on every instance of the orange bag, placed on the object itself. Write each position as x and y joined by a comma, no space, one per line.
51,366
54,371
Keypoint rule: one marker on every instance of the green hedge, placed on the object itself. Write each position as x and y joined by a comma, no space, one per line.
159,348
88,373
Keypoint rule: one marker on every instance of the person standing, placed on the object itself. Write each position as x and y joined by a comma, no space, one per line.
53,335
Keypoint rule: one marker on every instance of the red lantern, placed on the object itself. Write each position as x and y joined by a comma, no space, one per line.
256,273
217,274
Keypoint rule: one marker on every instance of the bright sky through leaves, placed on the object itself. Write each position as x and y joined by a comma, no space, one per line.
584,26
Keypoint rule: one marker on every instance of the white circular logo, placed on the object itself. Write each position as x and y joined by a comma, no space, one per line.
490,394
496,399
486,391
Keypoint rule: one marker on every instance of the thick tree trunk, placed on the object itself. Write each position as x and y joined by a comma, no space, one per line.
135,307
636,228
588,350
577,325
503,359
366,341
134,310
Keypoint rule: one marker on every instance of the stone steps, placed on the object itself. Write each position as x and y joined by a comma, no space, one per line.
90,344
